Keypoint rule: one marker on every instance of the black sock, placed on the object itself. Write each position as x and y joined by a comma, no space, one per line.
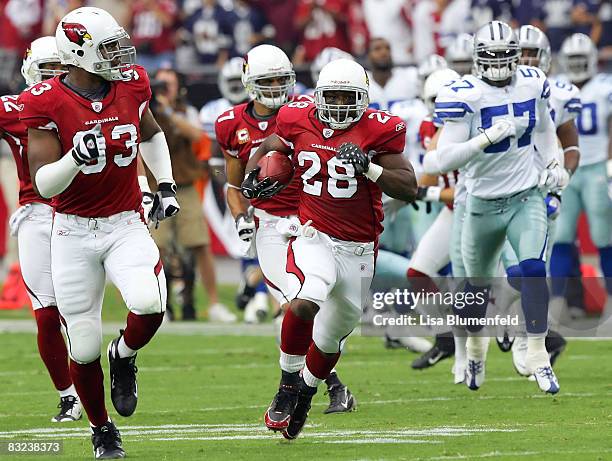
290,379
333,380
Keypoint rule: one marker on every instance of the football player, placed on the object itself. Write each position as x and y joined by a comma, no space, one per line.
84,132
588,188
268,77
495,143
346,155
31,223
458,55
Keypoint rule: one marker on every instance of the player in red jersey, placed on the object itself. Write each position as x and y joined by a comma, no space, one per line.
269,77
346,155
84,132
31,224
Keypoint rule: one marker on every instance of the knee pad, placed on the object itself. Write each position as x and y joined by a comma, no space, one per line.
84,340
533,268
514,277
148,295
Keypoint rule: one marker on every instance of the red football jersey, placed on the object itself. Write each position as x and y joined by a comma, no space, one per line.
240,134
338,203
109,185
15,134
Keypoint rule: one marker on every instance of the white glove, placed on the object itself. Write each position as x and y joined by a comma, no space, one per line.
17,218
245,225
90,147
164,204
499,131
291,227
554,178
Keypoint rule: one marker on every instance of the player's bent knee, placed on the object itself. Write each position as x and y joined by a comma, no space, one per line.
85,340
304,309
146,303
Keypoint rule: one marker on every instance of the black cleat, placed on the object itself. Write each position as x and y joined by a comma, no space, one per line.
244,295
124,388
443,348
70,409
340,400
277,416
393,343
106,442
505,343
300,413
555,345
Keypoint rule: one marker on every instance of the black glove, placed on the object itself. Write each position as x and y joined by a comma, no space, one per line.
164,203
252,188
350,153
421,194
90,147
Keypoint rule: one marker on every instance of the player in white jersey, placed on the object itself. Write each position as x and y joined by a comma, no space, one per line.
458,55
588,188
388,84
495,144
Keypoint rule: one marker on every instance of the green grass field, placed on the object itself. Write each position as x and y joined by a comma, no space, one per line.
203,397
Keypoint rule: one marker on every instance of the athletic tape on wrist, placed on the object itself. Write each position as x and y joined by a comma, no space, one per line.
374,172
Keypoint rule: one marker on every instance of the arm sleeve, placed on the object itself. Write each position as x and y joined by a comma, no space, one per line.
455,149
156,155
54,178
546,128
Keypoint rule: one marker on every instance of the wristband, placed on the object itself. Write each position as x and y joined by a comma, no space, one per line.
432,194
374,172
570,148
144,184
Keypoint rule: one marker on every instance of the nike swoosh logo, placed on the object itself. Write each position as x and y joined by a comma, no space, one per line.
435,359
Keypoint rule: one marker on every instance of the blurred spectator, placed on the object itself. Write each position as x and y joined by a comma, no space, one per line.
435,24
322,23
179,121
278,14
557,21
56,10
211,28
584,16
152,32
20,23
250,29
389,19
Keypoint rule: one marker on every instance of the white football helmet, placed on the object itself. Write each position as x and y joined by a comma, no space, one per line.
326,56
459,54
43,50
347,76
265,62
578,57
434,84
532,38
496,51
90,38
431,64
230,81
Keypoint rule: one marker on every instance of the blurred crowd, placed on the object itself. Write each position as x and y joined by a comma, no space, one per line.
192,33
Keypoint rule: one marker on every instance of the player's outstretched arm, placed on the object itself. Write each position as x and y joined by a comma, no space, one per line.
234,171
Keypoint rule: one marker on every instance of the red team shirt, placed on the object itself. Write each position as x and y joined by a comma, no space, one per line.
109,185
338,203
240,134
16,135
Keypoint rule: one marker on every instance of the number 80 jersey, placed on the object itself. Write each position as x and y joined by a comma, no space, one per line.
509,166
109,185
339,204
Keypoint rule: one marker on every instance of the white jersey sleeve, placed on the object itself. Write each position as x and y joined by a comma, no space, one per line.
564,101
209,113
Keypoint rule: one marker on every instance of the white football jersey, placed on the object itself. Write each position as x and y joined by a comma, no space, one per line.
209,113
412,111
564,101
507,167
403,85
592,123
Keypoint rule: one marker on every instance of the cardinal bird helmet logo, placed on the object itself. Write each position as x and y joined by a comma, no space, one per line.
77,33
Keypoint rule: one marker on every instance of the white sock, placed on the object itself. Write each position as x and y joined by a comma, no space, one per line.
68,391
123,350
477,347
291,363
537,355
310,379
460,346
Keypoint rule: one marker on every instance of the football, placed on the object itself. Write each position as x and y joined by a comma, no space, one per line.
276,166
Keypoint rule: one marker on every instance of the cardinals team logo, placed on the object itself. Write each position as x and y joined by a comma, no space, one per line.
327,132
77,33
96,106
263,126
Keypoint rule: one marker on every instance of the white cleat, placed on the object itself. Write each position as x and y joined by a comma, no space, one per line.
219,313
257,308
474,374
519,355
70,410
546,379
459,368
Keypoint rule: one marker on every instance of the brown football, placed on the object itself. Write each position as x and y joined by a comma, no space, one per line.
276,166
